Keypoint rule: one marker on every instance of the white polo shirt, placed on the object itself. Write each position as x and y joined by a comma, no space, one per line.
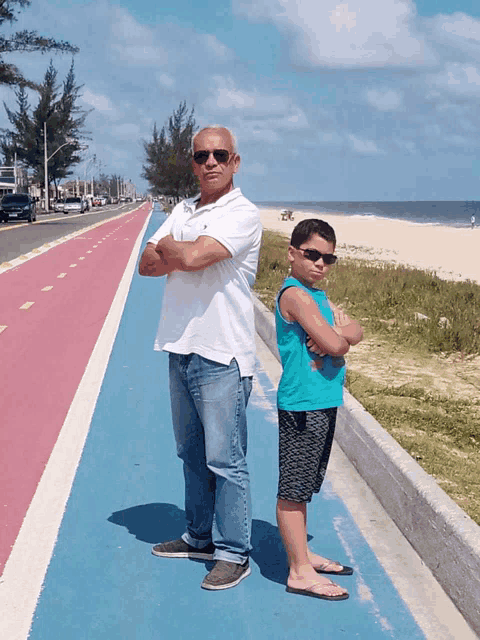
210,312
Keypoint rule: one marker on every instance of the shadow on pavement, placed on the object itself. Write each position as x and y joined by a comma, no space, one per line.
152,523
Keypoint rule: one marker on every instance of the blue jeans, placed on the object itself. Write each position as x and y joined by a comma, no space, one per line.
209,402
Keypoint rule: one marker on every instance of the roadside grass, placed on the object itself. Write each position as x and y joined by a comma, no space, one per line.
439,430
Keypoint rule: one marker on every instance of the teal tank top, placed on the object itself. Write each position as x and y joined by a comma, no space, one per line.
304,387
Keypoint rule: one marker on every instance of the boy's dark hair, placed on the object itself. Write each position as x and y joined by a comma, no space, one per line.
306,228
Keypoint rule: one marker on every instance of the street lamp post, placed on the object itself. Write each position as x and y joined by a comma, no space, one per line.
46,158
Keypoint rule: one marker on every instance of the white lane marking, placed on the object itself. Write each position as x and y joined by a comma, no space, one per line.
27,305
73,265
61,275
48,288
26,567
3,327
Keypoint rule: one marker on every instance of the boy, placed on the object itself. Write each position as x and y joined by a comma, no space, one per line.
312,336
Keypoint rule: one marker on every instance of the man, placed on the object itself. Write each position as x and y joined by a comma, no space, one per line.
208,247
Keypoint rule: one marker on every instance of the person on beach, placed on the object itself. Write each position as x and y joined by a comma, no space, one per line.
472,221
312,335
208,247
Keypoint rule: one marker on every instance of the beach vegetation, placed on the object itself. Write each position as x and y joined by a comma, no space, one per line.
418,369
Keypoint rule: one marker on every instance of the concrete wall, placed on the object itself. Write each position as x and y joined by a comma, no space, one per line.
444,536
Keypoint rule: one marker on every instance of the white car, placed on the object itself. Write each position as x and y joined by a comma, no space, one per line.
74,205
58,206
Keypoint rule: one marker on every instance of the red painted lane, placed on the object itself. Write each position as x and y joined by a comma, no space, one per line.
45,349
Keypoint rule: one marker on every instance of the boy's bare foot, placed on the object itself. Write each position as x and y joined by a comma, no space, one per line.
324,565
319,587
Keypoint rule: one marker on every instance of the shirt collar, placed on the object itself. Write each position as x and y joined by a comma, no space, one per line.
191,203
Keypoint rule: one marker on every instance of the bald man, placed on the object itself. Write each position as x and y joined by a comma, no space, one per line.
208,249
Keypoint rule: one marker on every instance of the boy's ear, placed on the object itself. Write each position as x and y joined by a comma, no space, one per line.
291,254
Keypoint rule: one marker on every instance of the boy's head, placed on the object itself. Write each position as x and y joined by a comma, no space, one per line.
311,250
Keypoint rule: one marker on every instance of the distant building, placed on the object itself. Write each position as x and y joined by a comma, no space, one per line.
13,180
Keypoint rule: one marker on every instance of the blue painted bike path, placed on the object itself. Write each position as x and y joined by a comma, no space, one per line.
103,583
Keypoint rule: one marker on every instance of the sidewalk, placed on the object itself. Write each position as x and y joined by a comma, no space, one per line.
104,584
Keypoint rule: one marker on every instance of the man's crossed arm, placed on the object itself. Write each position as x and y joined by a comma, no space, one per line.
171,255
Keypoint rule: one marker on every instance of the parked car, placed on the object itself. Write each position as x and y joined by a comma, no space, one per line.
58,206
74,205
18,206
99,201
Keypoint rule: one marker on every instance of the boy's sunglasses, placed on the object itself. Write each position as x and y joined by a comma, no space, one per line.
314,255
221,155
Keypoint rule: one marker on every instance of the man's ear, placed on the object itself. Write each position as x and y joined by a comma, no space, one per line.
236,163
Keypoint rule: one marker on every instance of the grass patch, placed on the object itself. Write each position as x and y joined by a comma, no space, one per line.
440,431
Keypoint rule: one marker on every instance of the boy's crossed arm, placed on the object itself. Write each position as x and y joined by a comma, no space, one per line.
344,326
297,305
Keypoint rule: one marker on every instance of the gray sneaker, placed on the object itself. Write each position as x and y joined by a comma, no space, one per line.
225,575
180,549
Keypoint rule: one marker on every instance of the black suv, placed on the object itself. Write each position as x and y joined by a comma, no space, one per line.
18,206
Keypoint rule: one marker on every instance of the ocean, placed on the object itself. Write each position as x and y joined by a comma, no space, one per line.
454,213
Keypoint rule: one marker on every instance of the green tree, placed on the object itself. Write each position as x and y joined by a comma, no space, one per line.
23,41
56,115
168,156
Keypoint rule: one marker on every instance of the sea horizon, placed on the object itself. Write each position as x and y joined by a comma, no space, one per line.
454,213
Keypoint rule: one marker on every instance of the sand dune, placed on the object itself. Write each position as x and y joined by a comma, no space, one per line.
449,252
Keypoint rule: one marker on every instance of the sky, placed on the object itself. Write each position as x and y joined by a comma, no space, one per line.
359,100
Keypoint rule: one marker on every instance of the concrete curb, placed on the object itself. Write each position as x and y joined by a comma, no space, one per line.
443,535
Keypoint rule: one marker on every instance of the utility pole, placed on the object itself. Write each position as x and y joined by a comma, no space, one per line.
45,158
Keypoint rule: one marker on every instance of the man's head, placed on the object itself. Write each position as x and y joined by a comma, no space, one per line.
311,250
215,161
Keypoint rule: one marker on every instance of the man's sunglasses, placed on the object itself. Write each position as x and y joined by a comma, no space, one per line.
314,255
221,155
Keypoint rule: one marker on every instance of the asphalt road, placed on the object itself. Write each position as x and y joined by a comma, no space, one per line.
19,238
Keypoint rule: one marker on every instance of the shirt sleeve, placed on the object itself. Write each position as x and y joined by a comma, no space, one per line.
164,230
238,229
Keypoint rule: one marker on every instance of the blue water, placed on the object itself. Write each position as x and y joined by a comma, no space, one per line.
455,213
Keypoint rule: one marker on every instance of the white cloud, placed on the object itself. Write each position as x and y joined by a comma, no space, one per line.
459,24
459,79
165,80
371,33
97,101
363,146
217,48
385,100
260,117
330,138
227,97
133,43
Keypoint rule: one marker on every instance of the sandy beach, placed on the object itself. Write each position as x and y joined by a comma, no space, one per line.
450,252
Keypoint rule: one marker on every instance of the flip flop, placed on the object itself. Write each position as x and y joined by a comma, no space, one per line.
312,594
345,571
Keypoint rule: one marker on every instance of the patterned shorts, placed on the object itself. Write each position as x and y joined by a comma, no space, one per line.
305,443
